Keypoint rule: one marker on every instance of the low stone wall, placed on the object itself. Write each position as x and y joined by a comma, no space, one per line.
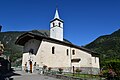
84,70
62,77
90,70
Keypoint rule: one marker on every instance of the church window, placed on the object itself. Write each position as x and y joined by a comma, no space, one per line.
73,52
75,60
53,50
67,52
59,24
53,24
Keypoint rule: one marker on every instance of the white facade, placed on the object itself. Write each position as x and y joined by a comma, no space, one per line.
27,57
60,58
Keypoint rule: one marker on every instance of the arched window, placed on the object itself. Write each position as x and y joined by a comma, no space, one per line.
53,24
73,52
53,50
59,24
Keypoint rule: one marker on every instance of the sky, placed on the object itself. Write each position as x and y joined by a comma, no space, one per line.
84,20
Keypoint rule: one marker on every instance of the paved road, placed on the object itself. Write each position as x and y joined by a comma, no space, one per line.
29,76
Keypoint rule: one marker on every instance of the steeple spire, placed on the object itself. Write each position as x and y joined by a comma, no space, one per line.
56,14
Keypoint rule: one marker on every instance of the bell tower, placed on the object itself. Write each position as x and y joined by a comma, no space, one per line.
56,27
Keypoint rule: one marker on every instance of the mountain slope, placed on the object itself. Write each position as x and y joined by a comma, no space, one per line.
108,46
8,39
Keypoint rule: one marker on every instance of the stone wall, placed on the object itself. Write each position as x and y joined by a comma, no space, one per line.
62,77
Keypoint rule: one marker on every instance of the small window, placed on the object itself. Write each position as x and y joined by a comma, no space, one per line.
75,60
35,64
53,24
59,24
73,52
67,52
53,50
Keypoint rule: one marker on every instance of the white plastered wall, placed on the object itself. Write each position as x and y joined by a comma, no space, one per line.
95,62
60,58
85,58
25,59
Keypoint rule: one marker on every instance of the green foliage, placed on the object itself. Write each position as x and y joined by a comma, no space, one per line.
49,69
8,39
115,65
84,76
11,49
78,70
15,56
104,72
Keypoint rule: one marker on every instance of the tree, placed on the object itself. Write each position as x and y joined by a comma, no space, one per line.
115,65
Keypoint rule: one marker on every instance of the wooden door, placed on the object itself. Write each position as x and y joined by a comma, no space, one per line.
30,66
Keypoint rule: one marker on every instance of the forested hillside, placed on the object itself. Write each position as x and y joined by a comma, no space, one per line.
108,46
8,39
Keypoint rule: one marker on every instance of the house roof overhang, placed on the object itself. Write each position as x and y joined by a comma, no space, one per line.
25,37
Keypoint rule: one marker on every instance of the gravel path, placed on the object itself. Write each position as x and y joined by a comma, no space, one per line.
29,76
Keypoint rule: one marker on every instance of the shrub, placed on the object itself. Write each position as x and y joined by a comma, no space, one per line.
104,73
78,70
60,70
44,67
49,69
115,65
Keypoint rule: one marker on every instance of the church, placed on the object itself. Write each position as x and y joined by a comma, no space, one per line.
50,49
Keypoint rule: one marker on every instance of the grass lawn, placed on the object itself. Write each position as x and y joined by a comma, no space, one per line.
82,75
